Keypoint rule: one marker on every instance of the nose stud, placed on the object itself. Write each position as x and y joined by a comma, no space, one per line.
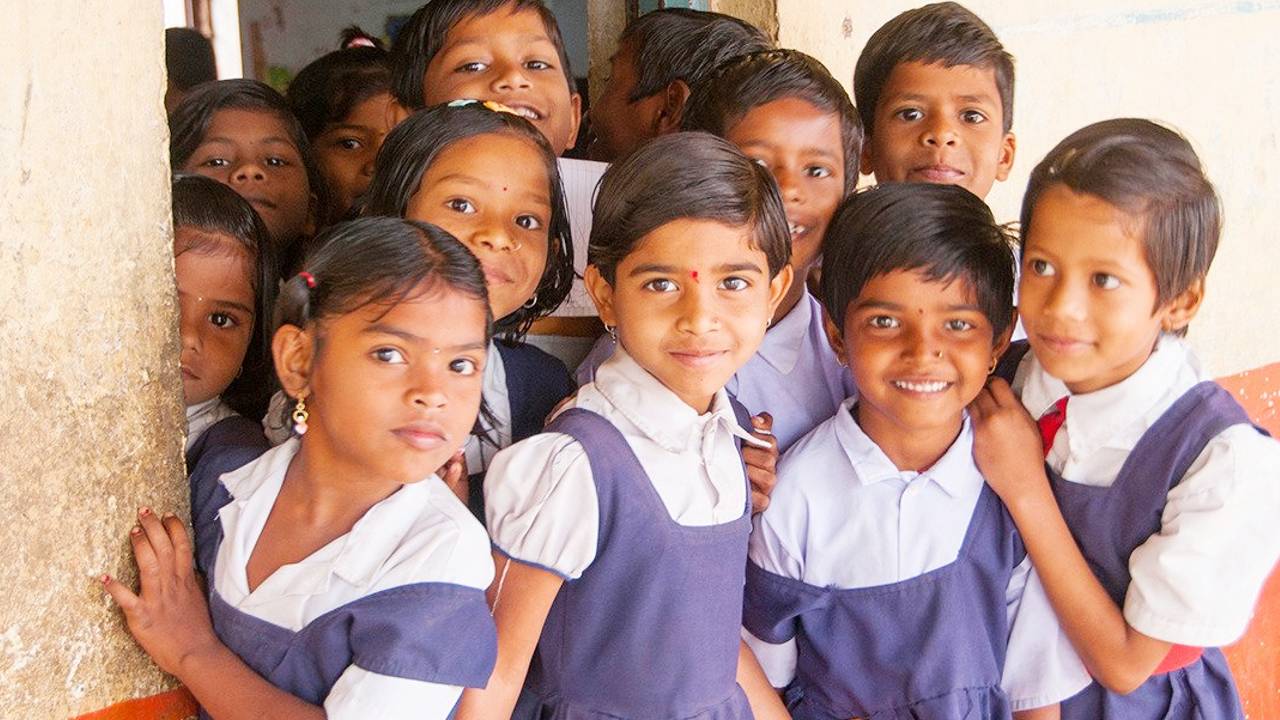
938,354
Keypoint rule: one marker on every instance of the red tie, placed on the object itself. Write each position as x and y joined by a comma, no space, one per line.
1051,421
1179,656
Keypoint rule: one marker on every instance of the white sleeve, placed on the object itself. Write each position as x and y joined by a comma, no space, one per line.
1196,581
1040,666
541,506
359,694
777,661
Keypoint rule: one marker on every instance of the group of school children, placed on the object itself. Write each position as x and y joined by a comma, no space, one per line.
804,471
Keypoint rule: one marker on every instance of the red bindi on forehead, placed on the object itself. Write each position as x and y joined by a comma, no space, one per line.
694,275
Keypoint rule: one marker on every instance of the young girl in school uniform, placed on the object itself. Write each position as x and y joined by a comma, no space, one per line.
886,580
621,532
1151,511
342,584
489,178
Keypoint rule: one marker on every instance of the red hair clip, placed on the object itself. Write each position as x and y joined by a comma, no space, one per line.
309,278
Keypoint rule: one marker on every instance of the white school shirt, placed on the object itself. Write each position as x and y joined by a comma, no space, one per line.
421,533
202,416
541,505
1196,581
794,376
278,427
844,516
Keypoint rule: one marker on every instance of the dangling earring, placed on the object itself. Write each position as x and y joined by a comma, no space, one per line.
613,331
299,418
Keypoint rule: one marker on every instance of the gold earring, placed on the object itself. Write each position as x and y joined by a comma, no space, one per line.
299,417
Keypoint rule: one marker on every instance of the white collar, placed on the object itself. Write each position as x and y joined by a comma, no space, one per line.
954,472
1096,418
357,556
657,412
202,416
782,342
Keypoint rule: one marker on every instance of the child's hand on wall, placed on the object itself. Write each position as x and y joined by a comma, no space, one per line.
169,617
1006,443
761,462
454,475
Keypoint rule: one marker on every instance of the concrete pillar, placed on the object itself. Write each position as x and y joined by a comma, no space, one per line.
91,415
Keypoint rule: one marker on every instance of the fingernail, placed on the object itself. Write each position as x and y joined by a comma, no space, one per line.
136,530
168,515
144,511
104,579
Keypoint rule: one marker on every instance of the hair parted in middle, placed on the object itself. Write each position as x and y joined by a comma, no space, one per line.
685,175
681,44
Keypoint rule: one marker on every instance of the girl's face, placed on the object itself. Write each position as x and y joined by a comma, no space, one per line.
394,391
346,150
215,302
493,194
250,151
691,303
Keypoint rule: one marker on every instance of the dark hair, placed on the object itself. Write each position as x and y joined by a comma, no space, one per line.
750,81
382,261
685,175
1148,172
423,37
680,44
207,205
944,231
946,33
189,122
325,91
188,56
413,146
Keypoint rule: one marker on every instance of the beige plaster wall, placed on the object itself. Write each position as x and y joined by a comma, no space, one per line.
90,411
1210,68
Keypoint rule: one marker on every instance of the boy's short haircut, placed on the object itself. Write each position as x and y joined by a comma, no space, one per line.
943,231
680,44
943,33
423,37
188,56
749,81
1150,173
687,175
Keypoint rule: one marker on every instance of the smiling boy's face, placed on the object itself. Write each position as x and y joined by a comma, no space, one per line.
942,125
507,56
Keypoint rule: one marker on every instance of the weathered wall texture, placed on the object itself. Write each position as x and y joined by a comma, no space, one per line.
90,413
1210,68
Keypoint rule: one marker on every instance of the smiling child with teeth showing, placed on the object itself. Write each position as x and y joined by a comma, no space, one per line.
942,611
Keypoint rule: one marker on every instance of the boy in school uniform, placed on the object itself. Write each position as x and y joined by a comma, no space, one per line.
1151,513
934,87
661,57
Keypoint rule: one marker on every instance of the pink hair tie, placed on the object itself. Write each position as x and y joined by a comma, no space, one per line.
308,278
359,41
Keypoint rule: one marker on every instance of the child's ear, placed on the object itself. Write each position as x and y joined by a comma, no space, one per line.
779,286
311,224
1001,343
865,159
834,337
395,114
1181,310
293,349
601,293
575,122
671,114
1008,148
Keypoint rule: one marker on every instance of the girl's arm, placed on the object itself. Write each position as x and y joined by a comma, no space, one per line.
1008,451
170,620
764,700
1049,712
521,596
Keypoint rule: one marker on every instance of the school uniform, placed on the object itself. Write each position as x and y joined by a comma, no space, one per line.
879,593
641,505
202,416
521,385
388,620
1172,497
794,376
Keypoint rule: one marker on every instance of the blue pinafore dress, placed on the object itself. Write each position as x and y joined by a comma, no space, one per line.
931,647
652,627
430,631
1108,523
